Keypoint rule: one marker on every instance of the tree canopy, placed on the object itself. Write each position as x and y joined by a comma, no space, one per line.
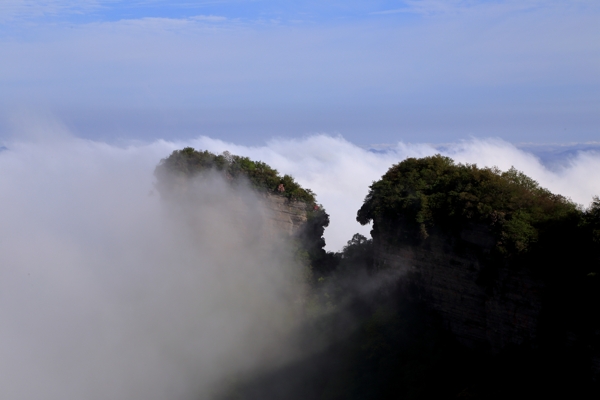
435,192
189,162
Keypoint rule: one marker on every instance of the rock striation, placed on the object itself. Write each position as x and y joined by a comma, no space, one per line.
503,262
489,307
287,216
482,305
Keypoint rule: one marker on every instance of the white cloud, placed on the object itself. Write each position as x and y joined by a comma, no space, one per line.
498,8
24,9
338,171
205,60
211,18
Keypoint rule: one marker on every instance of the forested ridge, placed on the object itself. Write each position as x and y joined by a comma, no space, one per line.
382,343
531,228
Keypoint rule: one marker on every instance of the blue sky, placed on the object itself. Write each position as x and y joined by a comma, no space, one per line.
252,10
374,72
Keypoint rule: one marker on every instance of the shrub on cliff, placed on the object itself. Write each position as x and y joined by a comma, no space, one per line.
190,162
435,192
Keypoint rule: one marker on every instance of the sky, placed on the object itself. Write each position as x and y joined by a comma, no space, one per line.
376,72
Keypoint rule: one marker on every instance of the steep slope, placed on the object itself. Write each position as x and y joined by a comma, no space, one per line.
502,261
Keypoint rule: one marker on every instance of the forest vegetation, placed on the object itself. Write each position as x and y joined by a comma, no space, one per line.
436,192
530,226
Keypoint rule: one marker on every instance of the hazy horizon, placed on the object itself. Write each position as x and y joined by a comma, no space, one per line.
247,71
337,170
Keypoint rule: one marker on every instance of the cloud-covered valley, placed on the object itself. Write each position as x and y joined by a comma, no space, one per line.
104,294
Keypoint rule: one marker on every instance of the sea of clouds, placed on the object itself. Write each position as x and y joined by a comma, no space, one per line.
338,171
103,294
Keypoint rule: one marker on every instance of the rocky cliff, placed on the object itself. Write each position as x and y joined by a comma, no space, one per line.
287,216
503,263
482,305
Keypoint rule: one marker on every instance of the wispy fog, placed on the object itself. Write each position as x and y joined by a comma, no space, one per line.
107,292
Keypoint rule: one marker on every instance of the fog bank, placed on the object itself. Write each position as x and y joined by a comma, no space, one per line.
107,292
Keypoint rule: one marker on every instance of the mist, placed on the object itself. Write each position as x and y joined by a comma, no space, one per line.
109,291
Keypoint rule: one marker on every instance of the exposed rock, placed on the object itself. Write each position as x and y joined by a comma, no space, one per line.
486,305
504,262
288,216
481,310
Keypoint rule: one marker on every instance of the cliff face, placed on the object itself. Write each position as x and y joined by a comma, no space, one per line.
287,216
259,214
490,306
483,305
503,262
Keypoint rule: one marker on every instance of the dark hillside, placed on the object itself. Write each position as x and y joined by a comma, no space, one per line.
433,193
510,267
477,284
